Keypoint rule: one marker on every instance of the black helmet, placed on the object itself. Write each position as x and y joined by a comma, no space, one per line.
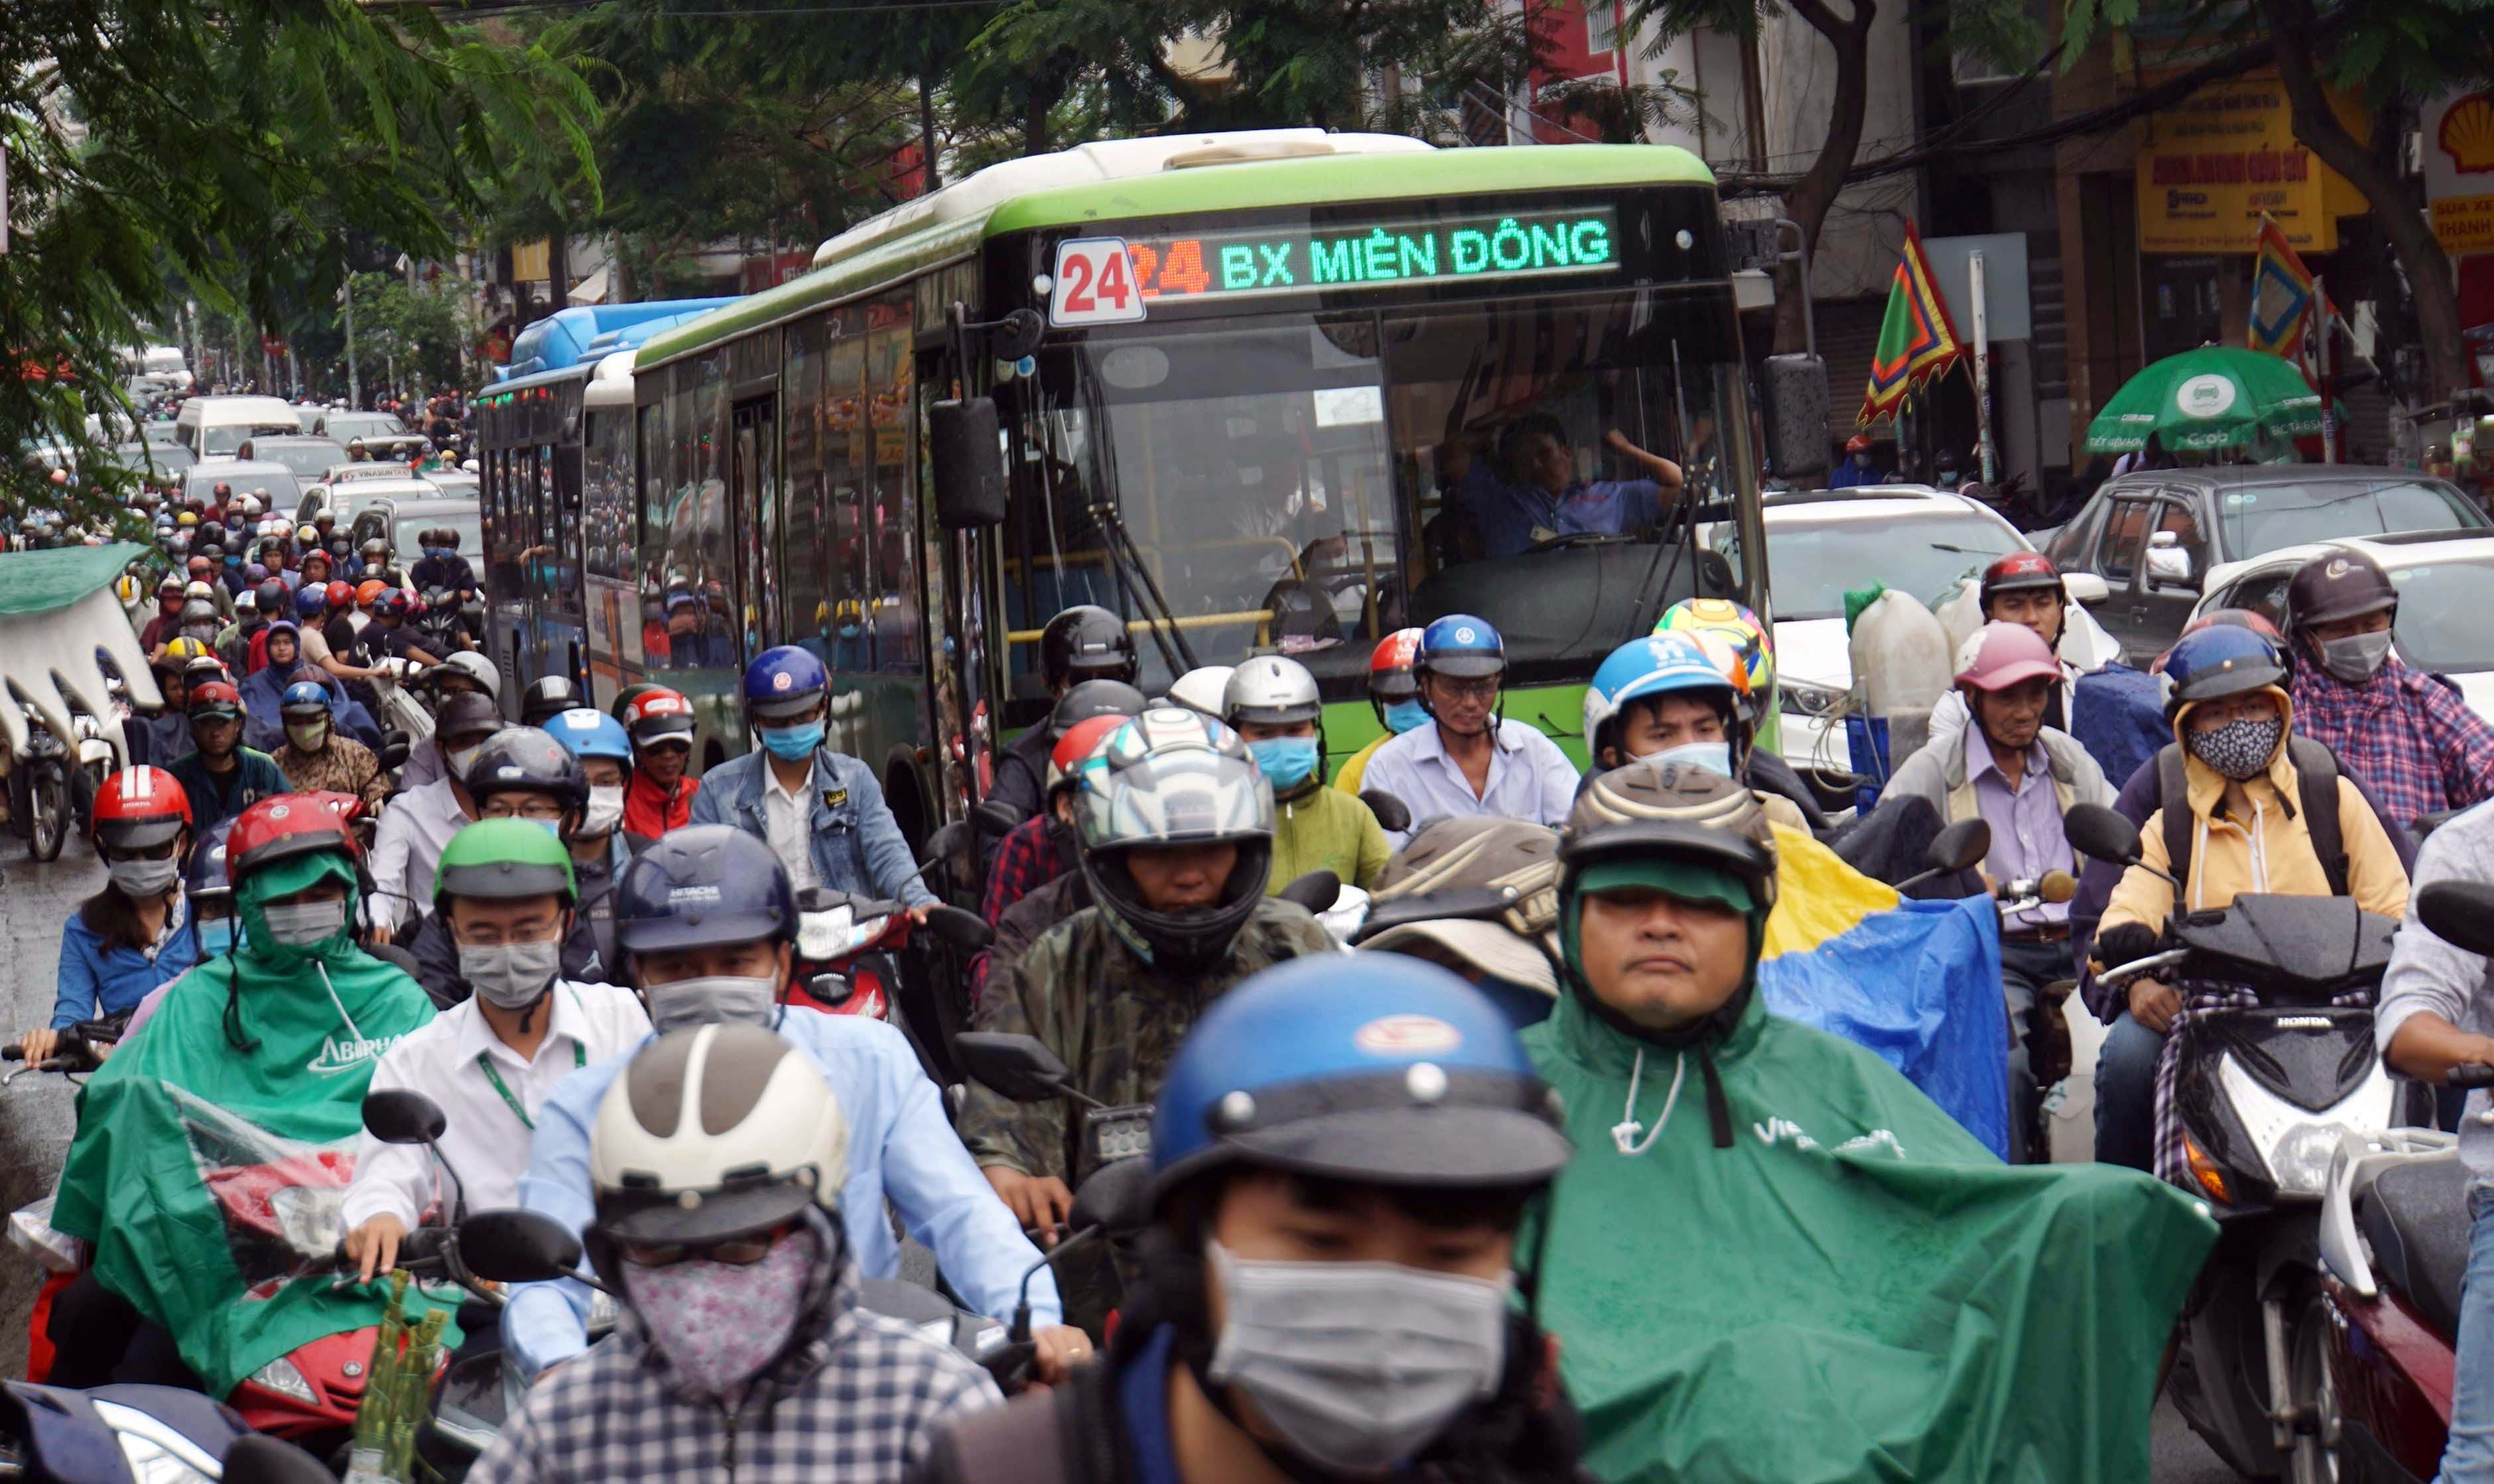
1094,698
1086,642
2343,585
523,760
546,698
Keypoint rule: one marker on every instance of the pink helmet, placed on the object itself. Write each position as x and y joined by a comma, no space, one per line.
2000,656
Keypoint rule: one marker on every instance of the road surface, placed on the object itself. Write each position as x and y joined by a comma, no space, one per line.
36,1117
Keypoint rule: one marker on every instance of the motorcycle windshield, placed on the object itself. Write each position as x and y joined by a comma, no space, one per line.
2288,950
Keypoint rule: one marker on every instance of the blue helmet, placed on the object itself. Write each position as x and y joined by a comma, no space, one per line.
205,876
700,887
311,602
1378,1069
2220,660
304,695
590,733
784,681
1461,645
1659,664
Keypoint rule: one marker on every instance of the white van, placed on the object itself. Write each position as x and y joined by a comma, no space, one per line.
213,428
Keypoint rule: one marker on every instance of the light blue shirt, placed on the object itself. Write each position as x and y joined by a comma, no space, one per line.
1529,778
901,1145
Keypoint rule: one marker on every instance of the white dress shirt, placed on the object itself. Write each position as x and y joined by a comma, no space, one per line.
790,819
1529,778
415,828
487,1142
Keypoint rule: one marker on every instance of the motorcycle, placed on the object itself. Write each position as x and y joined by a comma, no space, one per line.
2394,1239
850,950
45,802
2274,1067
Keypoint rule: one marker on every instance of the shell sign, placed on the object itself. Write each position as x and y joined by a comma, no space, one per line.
2459,170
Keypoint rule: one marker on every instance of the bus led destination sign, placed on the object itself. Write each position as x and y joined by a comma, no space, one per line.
1256,261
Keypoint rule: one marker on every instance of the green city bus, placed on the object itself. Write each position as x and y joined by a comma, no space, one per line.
1266,396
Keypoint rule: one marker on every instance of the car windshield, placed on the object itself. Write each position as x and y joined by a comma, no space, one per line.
307,461
230,437
402,535
2260,518
343,426
2440,628
1812,563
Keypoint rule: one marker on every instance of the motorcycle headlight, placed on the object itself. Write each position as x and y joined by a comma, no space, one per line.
1808,700
822,935
281,1377
2300,1161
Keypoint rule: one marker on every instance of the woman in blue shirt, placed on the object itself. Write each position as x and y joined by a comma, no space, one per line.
136,933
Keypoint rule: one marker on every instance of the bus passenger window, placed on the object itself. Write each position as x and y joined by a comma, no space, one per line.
898,625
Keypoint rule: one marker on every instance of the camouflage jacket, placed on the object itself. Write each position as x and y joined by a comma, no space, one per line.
343,766
1114,1021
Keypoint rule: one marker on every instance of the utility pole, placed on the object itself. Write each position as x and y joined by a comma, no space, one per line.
354,383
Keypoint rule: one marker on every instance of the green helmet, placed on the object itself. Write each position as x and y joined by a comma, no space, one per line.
504,857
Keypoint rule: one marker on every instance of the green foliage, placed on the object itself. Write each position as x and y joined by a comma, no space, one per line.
159,147
2412,49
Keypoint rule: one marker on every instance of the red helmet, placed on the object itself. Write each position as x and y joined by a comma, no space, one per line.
2021,569
138,808
285,827
393,602
201,566
215,698
1080,742
338,594
658,713
1389,667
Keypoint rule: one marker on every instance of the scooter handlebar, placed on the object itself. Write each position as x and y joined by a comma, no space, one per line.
2138,967
2470,1074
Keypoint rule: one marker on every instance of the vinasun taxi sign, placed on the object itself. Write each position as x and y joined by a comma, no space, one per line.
2459,170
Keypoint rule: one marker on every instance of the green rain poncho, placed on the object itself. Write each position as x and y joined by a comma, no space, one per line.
1854,1290
208,1171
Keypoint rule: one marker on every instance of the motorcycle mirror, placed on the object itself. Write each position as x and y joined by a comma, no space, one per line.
948,841
964,929
1019,1067
1116,1197
2462,912
402,1115
1315,891
1393,815
517,1246
392,755
2101,834
995,818
1961,846
256,1458
2057,887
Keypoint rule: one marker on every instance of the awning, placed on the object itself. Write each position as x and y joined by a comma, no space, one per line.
590,291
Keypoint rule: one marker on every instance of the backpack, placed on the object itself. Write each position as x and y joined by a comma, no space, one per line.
2316,769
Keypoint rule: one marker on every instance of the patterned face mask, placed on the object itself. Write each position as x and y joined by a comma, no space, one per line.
720,1323
2241,749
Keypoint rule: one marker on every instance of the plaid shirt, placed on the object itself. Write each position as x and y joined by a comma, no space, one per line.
2408,735
860,1403
1026,860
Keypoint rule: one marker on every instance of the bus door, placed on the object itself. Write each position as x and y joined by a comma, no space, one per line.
754,481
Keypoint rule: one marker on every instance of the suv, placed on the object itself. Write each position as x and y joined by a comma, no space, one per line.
2154,535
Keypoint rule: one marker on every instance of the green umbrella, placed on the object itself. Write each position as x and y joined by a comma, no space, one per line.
2214,397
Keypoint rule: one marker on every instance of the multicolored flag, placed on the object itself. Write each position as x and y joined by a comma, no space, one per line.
1917,340
2282,296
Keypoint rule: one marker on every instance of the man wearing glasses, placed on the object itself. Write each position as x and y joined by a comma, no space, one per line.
1471,759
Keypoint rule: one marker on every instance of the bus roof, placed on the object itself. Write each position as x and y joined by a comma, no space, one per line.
1185,176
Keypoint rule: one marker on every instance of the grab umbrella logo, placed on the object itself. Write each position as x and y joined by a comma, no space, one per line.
2208,395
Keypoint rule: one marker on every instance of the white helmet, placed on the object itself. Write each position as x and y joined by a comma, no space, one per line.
716,1131
251,503
1270,691
1202,690
477,667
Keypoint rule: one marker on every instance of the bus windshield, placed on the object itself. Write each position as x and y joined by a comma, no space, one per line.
1305,484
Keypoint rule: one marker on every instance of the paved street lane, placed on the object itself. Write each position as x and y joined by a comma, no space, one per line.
36,1117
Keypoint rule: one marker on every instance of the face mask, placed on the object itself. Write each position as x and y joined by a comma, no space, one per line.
710,1001
720,1323
1285,761
305,924
850,631
605,812
1405,716
2355,658
510,976
460,760
1358,1365
791,744
217,936
145,878
1714,756
307,735
2238,749
233,561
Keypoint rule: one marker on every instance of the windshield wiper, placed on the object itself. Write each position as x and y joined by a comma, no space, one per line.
1132,574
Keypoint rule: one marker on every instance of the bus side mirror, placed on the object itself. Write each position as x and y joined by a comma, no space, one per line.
969,463
1796,408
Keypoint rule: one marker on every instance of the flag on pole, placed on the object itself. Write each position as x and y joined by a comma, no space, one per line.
2282,296
1917,340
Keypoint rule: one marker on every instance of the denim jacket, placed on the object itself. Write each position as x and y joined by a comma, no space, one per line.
857,846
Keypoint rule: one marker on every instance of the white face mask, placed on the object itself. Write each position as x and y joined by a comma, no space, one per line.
460,760
710,1001
307,735
605,812
510,976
